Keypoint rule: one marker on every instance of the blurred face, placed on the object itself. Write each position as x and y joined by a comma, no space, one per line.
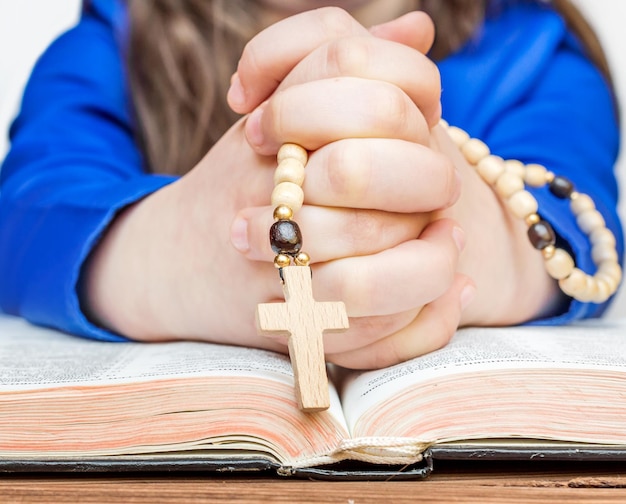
368,12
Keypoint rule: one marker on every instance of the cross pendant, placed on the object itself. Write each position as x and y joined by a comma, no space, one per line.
304,321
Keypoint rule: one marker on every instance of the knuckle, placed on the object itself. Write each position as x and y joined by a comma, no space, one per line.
349,170
394,111
275,115
336,22
349,56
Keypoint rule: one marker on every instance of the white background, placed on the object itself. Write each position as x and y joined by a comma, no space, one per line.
27,26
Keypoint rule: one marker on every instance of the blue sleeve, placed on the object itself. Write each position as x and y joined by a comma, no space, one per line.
72,166
525,87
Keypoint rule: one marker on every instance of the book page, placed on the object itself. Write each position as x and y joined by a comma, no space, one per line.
587,345
180,395
34,358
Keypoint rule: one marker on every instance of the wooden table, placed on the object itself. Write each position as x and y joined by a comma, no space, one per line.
452,482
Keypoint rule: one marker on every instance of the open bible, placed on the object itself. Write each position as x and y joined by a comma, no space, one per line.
71,403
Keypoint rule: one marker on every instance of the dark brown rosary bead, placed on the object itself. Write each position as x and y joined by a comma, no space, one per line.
285,237
541,235
561,187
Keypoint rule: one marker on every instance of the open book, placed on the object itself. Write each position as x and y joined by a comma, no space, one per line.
67,400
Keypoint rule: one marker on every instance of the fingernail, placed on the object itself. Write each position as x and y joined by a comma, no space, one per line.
467,295
254,133
239,235
458,235
236,96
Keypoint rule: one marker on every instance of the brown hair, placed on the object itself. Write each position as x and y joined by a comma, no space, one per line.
182,53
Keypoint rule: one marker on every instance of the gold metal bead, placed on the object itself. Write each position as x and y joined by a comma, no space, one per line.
532,219
302,259
574,195
283,212
282,260
549,176
548,251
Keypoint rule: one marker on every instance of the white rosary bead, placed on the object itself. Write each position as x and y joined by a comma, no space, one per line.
289,170
581,203
590,220
288,194
522,204
507,184
474,150
560,265
490,168
458,136
515,167
294,151
535,175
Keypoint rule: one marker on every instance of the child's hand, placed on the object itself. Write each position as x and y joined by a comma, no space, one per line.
364,106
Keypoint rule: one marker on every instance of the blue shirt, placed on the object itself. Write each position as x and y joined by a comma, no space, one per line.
522,84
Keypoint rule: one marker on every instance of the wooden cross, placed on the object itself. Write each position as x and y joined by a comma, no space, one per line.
304,321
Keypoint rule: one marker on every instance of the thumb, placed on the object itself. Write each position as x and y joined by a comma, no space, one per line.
414,29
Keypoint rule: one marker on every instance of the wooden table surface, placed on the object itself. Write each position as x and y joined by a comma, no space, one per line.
477,482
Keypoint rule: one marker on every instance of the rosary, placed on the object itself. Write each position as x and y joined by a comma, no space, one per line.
300,318
303,320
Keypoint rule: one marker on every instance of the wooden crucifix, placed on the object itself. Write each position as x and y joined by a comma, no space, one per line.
304,321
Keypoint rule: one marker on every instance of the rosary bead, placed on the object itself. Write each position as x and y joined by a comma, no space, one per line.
541,235
283,212
535,175
590,220
282,261
609,280
575,284
458,136
285,237
522,204
289,170
288,194
604,291
560,265
548,252
515,167
532,219
490,168
302,259
561,187
603,252
612,269
582,203
602,235
294,151
507,184
474,150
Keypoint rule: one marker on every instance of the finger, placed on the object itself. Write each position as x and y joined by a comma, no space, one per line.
398,279
376,59
360,108
273,53
430,330
381,173
328,233
415,29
